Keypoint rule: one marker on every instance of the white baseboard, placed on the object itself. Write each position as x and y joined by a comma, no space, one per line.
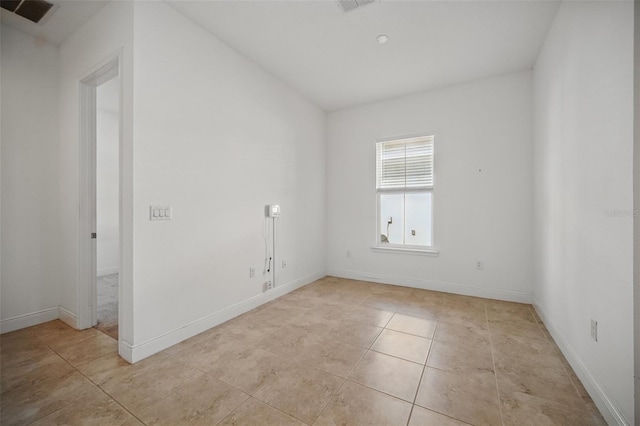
609,410
125,350
466,290
108,271
28,320
68,317
135,353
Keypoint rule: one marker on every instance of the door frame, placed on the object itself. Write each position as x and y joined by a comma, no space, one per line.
87,297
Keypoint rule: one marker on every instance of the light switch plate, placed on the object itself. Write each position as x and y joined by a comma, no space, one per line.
160,213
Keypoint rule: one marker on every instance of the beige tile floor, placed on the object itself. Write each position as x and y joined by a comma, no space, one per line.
335,352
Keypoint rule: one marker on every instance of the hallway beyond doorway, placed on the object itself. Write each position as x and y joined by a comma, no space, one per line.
108,305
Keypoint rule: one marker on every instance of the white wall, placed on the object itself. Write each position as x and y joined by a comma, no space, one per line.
29,174
109,32
217,138
107,176
583,95
482,216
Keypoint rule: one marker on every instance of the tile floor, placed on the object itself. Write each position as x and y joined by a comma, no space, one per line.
335,352
108,304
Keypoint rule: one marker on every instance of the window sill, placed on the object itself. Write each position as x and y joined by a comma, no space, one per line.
402,250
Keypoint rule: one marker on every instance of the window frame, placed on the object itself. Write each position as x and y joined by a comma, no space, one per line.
404,248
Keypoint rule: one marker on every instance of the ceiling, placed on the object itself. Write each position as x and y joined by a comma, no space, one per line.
333,58
66,19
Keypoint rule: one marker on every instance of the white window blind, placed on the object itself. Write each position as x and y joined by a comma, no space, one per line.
405,163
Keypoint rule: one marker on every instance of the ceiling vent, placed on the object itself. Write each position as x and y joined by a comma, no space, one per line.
33,10
349,5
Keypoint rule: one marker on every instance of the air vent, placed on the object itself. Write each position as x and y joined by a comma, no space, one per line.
10,5
33,10
349,5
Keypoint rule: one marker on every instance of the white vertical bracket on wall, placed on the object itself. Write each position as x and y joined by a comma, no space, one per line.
272,211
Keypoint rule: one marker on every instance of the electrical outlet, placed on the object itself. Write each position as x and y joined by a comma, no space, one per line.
252,272
479,265
268,285
594,330
284,264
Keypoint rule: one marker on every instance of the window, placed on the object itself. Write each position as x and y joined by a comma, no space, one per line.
404,185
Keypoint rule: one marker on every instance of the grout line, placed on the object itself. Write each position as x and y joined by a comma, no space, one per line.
233,411
69,344
410,334
357,363
378,390
96,385
329,401
293,361
265,403
389,320
404,359
40,419
424,369
495,370
373,342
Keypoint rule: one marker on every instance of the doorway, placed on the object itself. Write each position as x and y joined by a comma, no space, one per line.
107,205
100,232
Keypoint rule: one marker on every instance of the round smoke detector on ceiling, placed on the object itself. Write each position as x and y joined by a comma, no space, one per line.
382,38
